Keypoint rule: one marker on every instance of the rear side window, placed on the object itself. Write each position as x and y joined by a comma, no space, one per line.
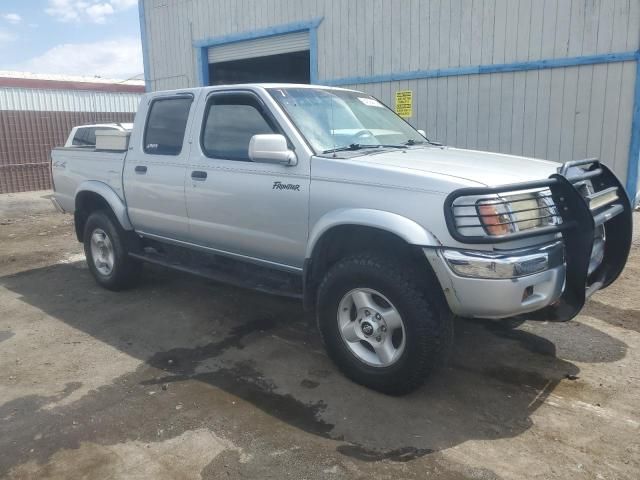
85,137
166,124
230,122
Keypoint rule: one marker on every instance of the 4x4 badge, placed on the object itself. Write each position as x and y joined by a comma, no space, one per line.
285,186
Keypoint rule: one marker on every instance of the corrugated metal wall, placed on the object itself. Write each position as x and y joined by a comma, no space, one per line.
67,100
560,114
33,121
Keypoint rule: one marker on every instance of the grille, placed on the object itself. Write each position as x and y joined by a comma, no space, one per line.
599,235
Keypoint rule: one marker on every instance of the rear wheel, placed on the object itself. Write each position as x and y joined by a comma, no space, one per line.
384,326
107,254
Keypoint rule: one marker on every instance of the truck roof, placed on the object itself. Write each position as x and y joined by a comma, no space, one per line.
116,125
282,85
254,85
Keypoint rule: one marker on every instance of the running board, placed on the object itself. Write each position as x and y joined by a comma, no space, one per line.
230,272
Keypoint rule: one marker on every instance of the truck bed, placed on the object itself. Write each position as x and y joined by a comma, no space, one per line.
71,166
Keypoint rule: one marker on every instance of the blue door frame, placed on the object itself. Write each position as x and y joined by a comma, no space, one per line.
202,46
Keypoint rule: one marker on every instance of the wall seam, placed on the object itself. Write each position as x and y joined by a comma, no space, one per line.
145,47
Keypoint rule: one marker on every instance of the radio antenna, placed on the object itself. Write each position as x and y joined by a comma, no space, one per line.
332,127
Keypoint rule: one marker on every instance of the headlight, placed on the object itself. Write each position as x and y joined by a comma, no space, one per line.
501,215
494,217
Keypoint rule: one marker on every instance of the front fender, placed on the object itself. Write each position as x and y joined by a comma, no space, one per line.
410,231
110,196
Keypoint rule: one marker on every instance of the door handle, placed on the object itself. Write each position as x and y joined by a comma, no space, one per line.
141,169
198,175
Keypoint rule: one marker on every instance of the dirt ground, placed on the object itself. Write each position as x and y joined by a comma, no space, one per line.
181,378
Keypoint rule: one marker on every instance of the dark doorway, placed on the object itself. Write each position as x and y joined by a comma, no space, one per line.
285,68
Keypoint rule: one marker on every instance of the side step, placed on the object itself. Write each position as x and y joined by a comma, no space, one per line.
223,270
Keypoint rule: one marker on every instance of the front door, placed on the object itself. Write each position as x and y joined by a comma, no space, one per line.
154,171
248,209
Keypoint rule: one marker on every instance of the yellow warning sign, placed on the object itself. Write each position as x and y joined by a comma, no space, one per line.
404,103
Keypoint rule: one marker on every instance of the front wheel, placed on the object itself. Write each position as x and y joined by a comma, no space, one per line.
106,251
384,326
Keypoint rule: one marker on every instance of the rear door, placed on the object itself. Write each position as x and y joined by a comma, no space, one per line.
154,171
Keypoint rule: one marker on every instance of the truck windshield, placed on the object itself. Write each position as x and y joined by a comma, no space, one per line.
335,120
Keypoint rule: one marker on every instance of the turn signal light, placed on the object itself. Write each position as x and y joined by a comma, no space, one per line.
494,221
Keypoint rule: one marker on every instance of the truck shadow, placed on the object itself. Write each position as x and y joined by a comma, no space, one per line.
264,350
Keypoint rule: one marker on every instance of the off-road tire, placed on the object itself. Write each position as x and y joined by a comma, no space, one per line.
419,300
126,270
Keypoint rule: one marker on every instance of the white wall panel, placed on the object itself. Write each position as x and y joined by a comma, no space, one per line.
560,114
546,135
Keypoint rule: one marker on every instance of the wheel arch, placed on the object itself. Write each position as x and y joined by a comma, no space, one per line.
403,227
360,228
93,195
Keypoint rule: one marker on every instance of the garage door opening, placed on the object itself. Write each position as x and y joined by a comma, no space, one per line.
285,67
275,58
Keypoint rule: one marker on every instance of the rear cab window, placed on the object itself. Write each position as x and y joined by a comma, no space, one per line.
85,137
166,125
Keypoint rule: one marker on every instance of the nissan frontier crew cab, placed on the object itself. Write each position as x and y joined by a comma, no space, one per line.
326,195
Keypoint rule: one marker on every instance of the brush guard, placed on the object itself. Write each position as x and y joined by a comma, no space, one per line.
581,213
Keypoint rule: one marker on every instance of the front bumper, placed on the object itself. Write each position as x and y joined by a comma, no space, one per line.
499,284
596,231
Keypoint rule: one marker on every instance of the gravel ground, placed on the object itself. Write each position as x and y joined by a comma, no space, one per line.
181,378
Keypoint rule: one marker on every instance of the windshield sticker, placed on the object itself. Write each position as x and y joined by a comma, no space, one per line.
370,102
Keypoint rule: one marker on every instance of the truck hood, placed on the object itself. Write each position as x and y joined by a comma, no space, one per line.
483,168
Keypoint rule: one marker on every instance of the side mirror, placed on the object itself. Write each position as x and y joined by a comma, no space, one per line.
423,133
271,148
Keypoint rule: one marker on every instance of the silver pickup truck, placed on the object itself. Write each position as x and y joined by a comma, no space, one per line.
326,195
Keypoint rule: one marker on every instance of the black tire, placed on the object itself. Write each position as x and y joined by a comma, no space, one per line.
427,320
126,270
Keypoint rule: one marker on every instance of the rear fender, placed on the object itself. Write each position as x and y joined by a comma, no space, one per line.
118,206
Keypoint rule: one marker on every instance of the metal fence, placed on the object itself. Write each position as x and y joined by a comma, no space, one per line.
33,121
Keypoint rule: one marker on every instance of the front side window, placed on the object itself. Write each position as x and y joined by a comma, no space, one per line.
230,122
332,119
166,124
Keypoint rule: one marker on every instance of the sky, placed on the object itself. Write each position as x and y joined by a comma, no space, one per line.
74,37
